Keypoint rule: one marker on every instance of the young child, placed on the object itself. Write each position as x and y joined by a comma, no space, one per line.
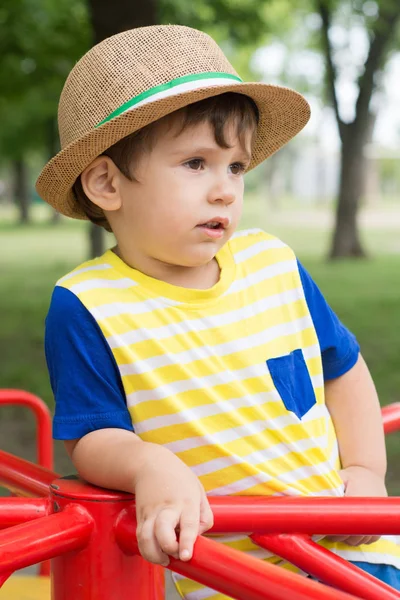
192,361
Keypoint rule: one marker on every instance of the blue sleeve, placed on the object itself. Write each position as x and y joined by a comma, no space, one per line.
339,347
83,373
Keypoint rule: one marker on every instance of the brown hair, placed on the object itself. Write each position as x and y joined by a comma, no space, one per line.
217,110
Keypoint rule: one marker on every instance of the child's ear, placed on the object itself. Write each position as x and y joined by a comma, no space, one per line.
101,183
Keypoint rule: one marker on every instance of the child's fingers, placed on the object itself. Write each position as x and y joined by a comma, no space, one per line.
189,530
372,539
165,531
148,545
354,540
206,515
361,539
337,538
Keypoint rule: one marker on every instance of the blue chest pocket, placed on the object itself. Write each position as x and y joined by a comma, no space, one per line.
293,383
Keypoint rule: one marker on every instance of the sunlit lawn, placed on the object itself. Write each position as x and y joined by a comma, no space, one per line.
365,294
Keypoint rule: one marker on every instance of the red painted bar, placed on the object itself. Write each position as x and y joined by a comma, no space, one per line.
44,442
23,477
90,573
244,577
391,417
31,543
101,570
380,516
14,511
325,566
43,421
234,573
4,577
261,514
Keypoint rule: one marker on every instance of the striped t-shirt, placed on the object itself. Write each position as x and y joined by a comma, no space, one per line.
230,379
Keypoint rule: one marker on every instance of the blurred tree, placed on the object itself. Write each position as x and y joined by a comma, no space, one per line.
107,20
39,42
20,189
380,22
41,39
354,40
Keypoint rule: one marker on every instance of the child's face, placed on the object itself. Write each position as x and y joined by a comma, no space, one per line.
187,198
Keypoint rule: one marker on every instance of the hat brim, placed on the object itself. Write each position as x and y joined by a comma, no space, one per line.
283,113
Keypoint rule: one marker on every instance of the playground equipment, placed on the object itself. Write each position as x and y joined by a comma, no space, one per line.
89,533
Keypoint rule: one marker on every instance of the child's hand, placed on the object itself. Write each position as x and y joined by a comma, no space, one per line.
360,482
170,500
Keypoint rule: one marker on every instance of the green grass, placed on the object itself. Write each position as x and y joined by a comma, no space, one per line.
365,294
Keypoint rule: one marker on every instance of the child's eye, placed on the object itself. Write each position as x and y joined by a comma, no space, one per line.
195,164
237,168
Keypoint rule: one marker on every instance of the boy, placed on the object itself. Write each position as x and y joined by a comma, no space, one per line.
189,360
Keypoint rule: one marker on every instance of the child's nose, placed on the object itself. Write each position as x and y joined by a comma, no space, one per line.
222,193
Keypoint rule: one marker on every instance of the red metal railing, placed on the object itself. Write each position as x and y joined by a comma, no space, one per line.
90,534
301,551
391,417
44,441
19,510
43,422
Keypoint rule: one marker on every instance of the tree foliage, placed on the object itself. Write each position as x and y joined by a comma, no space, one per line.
39,42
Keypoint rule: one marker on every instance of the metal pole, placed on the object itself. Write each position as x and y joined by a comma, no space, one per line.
234,573
44,441
391,417
23,477
325,566
311,515
14,511
30,543
101,570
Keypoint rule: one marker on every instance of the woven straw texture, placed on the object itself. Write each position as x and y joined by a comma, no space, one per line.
130,63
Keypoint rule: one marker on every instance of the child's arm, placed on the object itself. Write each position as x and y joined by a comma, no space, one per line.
169,497
354,407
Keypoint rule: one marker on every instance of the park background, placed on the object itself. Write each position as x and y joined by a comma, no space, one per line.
333,193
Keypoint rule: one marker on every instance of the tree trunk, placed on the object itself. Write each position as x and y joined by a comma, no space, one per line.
53,147
346,241
21,192
352,188
346,238
109,18
96,240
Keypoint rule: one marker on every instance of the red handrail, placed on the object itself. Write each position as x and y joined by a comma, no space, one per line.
241,576
213,564
391,417
44,442
43,421
285,516
266,515
101,524
23,477
325,566
30,543
14,511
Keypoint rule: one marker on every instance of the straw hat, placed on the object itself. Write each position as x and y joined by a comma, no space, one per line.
138,76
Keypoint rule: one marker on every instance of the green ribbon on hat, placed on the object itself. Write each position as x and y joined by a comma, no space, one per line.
168,89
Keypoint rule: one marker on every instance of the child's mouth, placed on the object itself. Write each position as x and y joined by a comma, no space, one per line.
214,229
212,225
